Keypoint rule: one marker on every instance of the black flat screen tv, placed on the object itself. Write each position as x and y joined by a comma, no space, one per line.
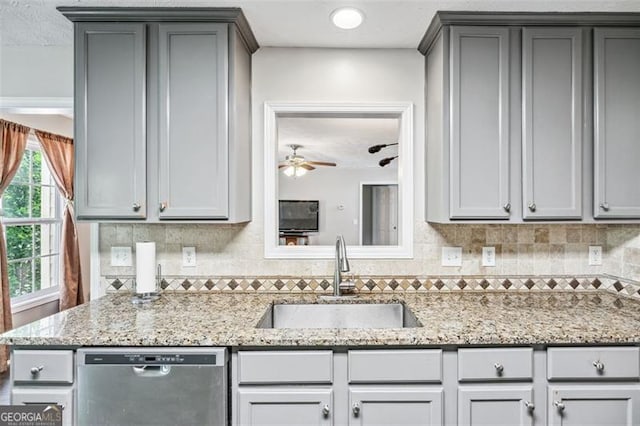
298,216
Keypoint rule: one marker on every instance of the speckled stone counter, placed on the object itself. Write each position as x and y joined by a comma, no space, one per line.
449,318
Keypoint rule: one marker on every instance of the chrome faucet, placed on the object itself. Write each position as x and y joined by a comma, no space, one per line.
342,265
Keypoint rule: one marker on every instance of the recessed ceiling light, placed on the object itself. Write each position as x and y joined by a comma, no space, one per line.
347,18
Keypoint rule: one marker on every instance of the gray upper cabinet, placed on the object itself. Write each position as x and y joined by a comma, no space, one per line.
163,104
532,117
479,162
110,132
617,122
552,123
193,149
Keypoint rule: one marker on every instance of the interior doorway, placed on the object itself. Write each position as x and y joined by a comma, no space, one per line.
378,214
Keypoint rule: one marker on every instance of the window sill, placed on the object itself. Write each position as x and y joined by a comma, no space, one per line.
32,301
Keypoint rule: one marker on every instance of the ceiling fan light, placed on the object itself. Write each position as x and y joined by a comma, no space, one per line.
289,171
300,171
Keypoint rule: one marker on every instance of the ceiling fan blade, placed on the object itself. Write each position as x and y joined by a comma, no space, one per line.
321,163
282,165
307,166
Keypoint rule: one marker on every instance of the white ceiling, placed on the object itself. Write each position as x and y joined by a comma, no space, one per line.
343,141
292,23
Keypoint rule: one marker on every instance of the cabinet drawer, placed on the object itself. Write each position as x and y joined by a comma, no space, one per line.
285,367
495,364
395,366
596,363
42,366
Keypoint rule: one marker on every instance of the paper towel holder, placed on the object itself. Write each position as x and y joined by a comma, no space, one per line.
140,298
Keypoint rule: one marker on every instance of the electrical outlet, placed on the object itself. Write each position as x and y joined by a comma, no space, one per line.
595,255
451,256
188,256
488,256
120,256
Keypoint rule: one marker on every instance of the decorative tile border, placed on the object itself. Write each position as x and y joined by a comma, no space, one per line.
385,284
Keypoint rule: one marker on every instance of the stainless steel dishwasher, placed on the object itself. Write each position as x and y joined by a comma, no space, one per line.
152,386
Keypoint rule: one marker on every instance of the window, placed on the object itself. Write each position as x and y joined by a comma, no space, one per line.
32,208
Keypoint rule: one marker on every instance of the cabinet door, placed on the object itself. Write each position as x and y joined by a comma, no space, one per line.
395,406
496,405
193,142
62,396
110,132
611,405
284,406
552,123
617,122
479,169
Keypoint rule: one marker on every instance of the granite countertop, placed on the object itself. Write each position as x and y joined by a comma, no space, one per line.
448,318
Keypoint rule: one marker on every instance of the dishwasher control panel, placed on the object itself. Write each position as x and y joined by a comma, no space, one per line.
149,358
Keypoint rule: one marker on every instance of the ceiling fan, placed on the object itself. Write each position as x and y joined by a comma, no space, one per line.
296,165
377,148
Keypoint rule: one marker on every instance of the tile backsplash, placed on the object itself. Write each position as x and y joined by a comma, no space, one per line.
521,250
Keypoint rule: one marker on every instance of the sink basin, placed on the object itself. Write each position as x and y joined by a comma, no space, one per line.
338,315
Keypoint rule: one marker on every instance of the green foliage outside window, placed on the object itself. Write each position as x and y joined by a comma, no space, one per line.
23,200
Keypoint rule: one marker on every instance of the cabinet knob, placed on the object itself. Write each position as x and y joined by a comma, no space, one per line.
605,206
136,207
559,405
36,370
499,368
529,405
599,366
356,409
325,410
163,206
532,207
507,207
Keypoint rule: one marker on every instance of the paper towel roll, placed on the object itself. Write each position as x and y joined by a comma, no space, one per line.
146,267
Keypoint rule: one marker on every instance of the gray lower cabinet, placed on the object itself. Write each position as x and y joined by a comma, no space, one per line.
617,127
62,396
552,123
496,405
396,405
583,405
284,406
110,111
162,107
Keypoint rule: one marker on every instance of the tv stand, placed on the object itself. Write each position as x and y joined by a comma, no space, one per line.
294,239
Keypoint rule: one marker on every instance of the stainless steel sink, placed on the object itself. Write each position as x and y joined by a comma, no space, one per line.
339,315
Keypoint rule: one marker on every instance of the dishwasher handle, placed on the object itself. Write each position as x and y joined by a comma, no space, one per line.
151,370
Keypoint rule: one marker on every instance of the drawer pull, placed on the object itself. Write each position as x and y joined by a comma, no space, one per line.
499,368
559,405
599,366
530,405
605,206
36,370
325,410
163,206
136,207
356,409
532,207
507,207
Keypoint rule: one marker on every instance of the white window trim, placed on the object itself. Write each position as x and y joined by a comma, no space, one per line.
50,294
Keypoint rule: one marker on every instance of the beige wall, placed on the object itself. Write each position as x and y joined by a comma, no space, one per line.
345,75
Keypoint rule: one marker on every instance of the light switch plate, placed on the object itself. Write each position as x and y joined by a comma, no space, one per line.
488,256
595,255
188,256
120,256
451,256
